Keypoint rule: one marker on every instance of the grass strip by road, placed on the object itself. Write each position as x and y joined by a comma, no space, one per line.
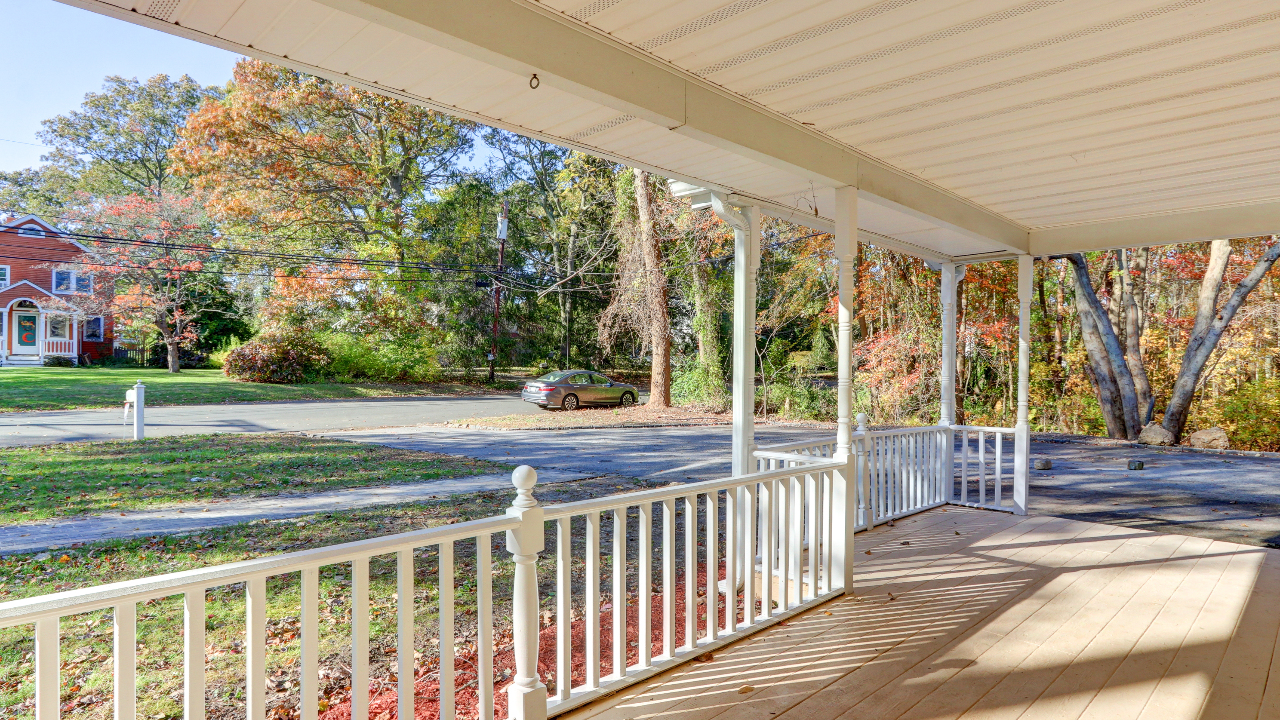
30,389
86,645
59,481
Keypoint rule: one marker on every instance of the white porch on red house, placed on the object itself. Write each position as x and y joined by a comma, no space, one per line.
32,331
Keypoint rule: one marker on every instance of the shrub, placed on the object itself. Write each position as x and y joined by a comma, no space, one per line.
409,359
289,358
1251,416
695,384
799,399
187,358
58,361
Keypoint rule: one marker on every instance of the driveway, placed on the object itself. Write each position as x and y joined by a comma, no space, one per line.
1222,497
40,428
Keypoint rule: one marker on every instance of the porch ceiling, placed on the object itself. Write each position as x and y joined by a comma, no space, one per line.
969,613
971,128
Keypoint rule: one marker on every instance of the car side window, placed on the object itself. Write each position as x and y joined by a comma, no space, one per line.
579,379
599,379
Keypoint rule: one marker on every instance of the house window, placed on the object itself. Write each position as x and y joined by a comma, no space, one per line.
30,231
4,276
93,329
59,327
68,281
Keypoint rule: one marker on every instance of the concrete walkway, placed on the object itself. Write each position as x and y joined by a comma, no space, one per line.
191,517
42,428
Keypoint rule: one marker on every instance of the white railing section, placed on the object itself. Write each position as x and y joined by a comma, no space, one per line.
766,552
904,471
59,347
730,557
45,612
987,476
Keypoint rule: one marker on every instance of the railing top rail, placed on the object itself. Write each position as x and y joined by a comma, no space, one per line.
783,447
792,457
71,602
613,502
902,431
984,428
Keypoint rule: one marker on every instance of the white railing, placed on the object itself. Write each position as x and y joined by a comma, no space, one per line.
732,556
768,544
59,347
908,470
122,598
988,476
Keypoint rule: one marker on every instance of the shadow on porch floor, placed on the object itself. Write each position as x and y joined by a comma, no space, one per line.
975,614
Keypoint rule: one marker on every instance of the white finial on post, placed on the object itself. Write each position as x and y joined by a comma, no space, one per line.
139,402
527,695
862,422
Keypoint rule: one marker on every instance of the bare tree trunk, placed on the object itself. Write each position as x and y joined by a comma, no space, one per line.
1116,393
656,293
1059,345
1133,327
1209,327
706,323
863,332
170,338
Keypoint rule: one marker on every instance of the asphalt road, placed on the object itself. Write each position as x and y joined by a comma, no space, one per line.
40,428
1222,497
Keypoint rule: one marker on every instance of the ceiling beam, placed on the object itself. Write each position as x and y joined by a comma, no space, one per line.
1232,221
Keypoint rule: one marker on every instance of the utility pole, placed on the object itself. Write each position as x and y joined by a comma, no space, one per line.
497,286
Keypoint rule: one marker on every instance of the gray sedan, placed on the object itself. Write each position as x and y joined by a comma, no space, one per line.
571,389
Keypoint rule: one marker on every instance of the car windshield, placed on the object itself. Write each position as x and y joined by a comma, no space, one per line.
553,376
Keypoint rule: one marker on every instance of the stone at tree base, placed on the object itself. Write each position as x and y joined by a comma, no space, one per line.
1214,438
1043,464
1155,434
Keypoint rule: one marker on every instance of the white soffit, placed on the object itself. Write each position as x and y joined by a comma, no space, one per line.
971,128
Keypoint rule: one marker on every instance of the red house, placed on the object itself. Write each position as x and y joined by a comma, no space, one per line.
39,284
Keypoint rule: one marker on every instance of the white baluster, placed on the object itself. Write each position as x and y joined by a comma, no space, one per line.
404,633
484,618
690,571
309,652
982,467
964,466
46,669
526,695
995,500
256,650
193,617
446,630
767,546
669,577
644,585
125,634
712,588
730,560
619,561
749,514
564,604
593,600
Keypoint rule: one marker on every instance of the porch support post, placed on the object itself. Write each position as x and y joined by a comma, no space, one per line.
1022,430
746,261
527,694
844,493
947,412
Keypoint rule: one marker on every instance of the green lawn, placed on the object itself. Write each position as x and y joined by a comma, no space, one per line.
91,387
81,478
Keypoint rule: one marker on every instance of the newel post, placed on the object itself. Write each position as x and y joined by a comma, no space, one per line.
527,695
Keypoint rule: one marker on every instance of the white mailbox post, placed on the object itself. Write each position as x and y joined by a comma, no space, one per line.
136,396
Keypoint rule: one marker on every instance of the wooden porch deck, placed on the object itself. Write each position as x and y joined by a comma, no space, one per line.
977,614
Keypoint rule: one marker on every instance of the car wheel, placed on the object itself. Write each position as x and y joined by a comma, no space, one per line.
570,402
627,400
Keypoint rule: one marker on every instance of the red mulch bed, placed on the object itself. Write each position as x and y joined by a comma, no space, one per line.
466,700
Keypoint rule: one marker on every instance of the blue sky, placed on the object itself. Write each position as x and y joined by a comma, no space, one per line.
66,52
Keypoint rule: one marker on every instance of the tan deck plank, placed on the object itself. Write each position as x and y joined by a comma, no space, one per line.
1100,596
1126,692
1181,693
877,678
688,686
1072,691
958,676
1270,707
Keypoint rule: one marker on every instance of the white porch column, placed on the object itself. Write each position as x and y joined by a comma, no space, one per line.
1022,430
947,412
844,486
746,261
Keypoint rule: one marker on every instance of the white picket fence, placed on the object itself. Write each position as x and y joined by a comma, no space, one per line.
732,556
